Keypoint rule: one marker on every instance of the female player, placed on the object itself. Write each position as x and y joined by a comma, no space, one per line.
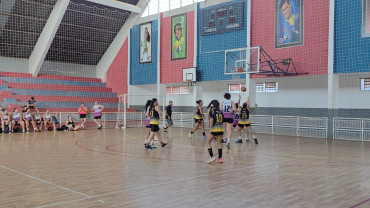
216,125
245,122
28,119
82,110
71,124
155,115
228,107
5,120
97,109
147,123
17,119
48,120
199,121
38,120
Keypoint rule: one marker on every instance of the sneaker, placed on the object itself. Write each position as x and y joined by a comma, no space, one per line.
153,146
223,141
164,130
204,137
239,141
228,145
163,144
219,160
148,147
247,140
211,159
190,135
255,141
100,126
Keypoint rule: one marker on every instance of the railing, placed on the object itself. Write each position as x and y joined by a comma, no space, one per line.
109,119
351,129
291,125
282,125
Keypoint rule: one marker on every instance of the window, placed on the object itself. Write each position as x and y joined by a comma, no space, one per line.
267,87
177,90
235,88
365,84
156,6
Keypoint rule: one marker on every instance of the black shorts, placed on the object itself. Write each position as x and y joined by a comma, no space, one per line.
148,127
198,120
154,127
242,125
234,125
217,133
82,115
31,107
38,122
97,117
228,120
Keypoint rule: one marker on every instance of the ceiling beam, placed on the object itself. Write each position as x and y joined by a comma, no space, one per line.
118,5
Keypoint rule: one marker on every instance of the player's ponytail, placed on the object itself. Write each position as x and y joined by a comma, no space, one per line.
211,104
216,104
198,101
148,103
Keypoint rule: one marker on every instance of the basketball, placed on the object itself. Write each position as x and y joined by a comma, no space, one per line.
50,128
243,89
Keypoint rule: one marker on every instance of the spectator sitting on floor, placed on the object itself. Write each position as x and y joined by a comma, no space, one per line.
32,103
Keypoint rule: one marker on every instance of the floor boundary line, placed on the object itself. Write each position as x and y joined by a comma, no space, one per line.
46,182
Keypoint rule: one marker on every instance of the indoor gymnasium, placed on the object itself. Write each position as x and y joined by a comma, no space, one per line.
185,103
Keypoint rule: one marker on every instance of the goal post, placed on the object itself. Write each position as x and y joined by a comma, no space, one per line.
131,109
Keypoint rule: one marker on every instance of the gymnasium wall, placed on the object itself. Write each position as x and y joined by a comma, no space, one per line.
211,48
352,50
141,74
116,77
312,56
68,69
8,64
171,71
20,65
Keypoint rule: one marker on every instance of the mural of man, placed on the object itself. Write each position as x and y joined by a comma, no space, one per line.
289,31
179,44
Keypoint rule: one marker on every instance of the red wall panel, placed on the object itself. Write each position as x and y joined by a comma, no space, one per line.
117,72
171,71
312,56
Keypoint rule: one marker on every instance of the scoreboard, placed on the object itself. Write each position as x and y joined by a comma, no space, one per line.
222,19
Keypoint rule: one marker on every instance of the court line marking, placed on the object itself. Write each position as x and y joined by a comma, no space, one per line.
45,181
360,203
164,183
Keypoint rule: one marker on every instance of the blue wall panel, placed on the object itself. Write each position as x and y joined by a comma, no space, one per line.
141,74
211,49
352,51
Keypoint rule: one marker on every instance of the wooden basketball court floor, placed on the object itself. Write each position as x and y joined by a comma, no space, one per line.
110,168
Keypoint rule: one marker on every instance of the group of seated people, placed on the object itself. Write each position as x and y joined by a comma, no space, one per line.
25,119
11,119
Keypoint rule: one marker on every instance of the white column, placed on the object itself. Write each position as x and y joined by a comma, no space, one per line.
129,87
333,80
112,51
159,55
195,35
250,84
46,37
